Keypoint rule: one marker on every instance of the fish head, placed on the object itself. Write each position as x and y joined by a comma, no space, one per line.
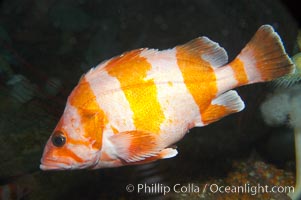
75,142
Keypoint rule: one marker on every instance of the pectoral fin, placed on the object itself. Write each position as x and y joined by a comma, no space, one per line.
133,146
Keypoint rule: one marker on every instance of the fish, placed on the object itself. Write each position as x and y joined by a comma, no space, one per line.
133,108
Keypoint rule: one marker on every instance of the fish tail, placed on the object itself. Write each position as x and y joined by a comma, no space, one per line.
263,58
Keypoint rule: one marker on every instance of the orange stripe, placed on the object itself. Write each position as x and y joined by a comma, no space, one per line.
93,118
131,71
214,113
67,153
239,71
62,151
199,77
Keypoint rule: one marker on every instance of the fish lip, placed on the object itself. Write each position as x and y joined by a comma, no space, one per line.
54,165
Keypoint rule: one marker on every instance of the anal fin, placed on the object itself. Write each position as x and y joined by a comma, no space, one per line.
223,105
168,153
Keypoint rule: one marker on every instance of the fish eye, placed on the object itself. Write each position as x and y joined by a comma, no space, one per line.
58,139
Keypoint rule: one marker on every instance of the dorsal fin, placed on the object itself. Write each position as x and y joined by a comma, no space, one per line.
208,50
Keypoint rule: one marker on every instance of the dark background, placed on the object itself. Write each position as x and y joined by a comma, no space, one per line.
52,43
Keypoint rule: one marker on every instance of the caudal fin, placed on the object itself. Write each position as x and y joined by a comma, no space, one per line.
263,58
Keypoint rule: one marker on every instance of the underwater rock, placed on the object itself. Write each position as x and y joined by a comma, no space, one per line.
248,175
21,88
53,86
277,107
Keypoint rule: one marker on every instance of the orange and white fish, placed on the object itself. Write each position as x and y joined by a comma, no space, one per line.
132,108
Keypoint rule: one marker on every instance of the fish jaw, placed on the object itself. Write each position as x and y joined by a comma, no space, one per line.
54,159
67,164
53,165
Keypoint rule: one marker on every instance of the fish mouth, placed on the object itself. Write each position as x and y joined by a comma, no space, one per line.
54,165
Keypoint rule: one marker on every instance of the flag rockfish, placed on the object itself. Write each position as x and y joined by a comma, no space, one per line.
132,108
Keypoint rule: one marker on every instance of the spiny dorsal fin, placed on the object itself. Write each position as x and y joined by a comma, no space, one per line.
208,50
